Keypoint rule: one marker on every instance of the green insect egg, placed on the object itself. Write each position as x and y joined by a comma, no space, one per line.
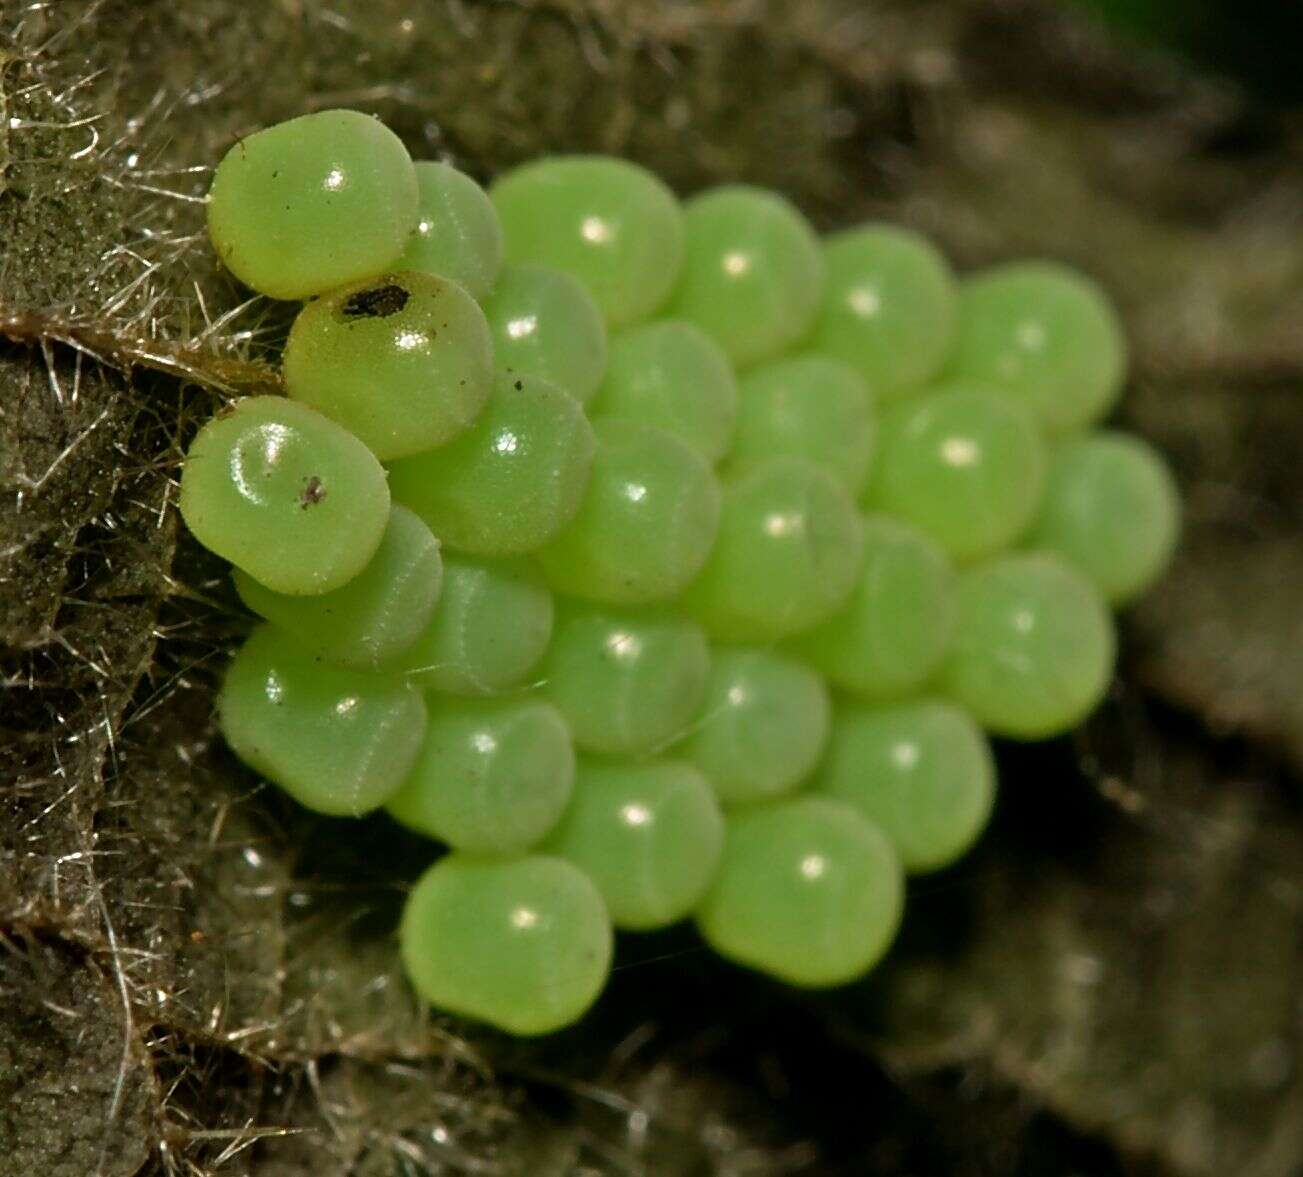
338,741
610,223
285,494
313,203
1034,647
457,232
1045,335
787,555
763,725
807,891
545,323
962,465
673,376
1112,511
377,615
404,361
523,944
808,407
629,682
922,772
493,776
752,273
889,307
648,834
512,481
488,631
892,634
646,523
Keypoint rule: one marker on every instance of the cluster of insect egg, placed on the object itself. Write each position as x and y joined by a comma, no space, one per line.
712,549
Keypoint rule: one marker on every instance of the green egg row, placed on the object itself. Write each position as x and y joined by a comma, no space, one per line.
624,514
1022,640
687,466
329,200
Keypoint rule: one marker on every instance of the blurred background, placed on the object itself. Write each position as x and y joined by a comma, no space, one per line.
1255,43
197,979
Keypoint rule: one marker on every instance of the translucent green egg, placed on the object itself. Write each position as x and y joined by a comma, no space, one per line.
628,682
493,776
1047,336
284,493
648,834
962,465
752,272
610,223
895,629
512,481
404,361
489,629
546,324
457,233
807,890
889,308
313,203
338,741
808,407
1033,649
672,375
377,615
922,772
522,943
1111,510
646,523
763,725
787,555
